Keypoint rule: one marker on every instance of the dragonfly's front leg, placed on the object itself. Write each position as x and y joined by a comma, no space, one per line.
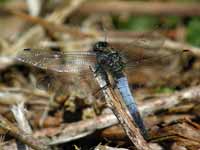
99,71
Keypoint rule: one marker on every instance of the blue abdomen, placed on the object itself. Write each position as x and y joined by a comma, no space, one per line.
123,87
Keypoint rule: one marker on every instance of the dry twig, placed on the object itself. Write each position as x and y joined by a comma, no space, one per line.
49,25
21,136
142,8
19,114
57,17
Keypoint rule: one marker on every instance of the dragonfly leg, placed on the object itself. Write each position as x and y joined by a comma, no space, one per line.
100,71
99,90
103,74
102,88
114,85
97,70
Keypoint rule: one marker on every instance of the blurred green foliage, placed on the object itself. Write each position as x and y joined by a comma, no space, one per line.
193,32
165,90
141,23
188,1
171,22
2,1
147,23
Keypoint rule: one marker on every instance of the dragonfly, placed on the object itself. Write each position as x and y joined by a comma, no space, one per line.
107,61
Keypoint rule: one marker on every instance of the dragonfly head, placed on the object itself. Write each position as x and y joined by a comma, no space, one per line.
100,46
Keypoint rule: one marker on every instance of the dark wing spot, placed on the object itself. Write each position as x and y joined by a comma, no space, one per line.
27,49
186,50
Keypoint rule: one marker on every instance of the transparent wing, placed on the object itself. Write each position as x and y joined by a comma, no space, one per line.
143,50
64,83
146,50
148,41
61,72
154,59
158,67
74,61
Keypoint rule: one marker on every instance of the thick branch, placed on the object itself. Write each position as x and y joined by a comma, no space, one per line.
117,106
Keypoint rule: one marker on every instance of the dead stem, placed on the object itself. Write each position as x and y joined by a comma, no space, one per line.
20,135
142,8
120,112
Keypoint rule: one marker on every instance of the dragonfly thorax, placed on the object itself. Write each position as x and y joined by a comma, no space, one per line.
111,61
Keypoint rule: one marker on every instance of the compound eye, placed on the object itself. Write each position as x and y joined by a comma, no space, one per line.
104,44
99,45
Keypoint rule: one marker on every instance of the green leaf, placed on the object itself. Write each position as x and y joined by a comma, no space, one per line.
193,32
